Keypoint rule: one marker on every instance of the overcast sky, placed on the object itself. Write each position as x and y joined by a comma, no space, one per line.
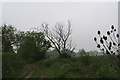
86,18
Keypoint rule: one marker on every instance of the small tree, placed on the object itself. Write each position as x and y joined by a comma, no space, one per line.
33,46
8,38
60,38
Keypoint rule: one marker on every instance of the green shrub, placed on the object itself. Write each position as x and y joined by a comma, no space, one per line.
33,46
106,72
47,62
85,58
10,62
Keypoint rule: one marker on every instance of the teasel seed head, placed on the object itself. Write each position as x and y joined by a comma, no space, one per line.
102,49
109,48
98,32
101,40
118,44
117,35
112,27
114,43
98,46
117,50
95,39
111,31
108,33
113,53
104,37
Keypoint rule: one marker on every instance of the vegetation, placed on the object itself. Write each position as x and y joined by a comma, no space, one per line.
8,38
60,38
72,68
77,68
33,46
29,55
10,62
109,45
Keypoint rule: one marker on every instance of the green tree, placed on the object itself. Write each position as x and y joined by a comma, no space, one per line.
8,38
33,46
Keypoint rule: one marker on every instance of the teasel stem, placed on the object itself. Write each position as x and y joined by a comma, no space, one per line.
99,44
106,48
99,48
106,43
116,46
111,39
109,44
112,47
102,42
114,36
99,33
102,51
100,36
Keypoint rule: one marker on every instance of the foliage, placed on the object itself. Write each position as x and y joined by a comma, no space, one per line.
8,38
33,46
84,57
10,62
106,72
52,53
74,68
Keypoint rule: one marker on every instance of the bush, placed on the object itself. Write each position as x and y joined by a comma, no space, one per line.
84,57
76,68
10,62
106,72
33,46
47,62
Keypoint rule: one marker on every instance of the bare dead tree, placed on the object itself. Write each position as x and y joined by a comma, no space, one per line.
60,38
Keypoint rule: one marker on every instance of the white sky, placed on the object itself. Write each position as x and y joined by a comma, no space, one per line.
86,17
59,0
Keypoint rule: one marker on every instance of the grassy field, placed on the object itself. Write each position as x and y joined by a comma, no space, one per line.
80,67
